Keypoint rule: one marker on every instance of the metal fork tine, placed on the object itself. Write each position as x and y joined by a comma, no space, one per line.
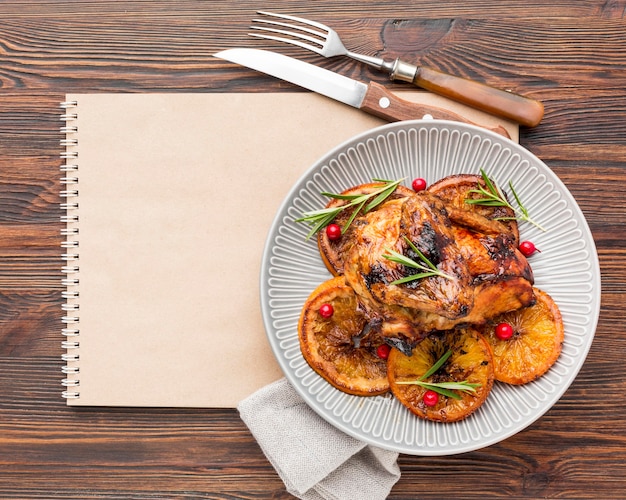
301,36
322,34
293,34
288,40
299,31
294,18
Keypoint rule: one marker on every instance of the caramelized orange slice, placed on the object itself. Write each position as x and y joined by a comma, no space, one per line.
339,342
536,342
470,362
332,251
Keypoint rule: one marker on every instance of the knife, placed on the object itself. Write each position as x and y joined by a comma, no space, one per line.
372,98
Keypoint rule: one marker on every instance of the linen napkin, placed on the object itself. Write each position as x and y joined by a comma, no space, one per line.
315,460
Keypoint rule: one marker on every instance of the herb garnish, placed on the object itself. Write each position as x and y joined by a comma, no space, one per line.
493,197
362,202
428,268
443,388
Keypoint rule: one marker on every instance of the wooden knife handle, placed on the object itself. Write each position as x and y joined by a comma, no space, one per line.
380,102
515,107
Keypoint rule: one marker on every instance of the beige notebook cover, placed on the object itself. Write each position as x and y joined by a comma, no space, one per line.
175,194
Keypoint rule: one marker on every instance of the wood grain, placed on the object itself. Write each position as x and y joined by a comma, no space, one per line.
569,54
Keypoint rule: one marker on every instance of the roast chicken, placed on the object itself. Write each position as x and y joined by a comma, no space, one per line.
485,273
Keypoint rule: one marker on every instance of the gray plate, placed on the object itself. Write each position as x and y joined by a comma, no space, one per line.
567,268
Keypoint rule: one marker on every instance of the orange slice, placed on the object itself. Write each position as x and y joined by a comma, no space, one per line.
536,343
470,361
332,251
342,348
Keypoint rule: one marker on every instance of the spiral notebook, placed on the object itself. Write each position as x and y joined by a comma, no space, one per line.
168,199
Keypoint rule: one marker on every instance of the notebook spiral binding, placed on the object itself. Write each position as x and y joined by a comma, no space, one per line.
70,257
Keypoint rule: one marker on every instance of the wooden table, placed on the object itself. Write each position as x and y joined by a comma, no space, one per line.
570,54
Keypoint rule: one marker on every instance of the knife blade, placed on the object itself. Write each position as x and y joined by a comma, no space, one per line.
372,98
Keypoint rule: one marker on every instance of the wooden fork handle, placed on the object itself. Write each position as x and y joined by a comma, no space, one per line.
498,102
380,102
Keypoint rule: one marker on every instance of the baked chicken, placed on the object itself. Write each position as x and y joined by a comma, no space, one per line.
483,272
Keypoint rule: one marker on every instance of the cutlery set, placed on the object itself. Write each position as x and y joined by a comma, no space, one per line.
372,98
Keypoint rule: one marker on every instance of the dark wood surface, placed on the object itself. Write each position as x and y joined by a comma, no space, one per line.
570,54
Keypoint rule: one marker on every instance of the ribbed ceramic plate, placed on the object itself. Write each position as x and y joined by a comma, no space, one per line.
567,268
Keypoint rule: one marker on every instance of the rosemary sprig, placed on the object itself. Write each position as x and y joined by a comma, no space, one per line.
362,203
443,388
493,197
426,266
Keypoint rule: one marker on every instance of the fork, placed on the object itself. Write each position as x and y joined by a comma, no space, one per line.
324,41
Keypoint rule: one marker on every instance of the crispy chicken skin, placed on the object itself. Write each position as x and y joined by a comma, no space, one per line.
490,257
488,274
422,218
455,189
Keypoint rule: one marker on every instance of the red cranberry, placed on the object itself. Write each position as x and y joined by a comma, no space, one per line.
326,310
430,398
418,184
333,231
504,331
382,351
527,248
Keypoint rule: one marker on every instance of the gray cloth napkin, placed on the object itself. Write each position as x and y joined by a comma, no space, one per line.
315,460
